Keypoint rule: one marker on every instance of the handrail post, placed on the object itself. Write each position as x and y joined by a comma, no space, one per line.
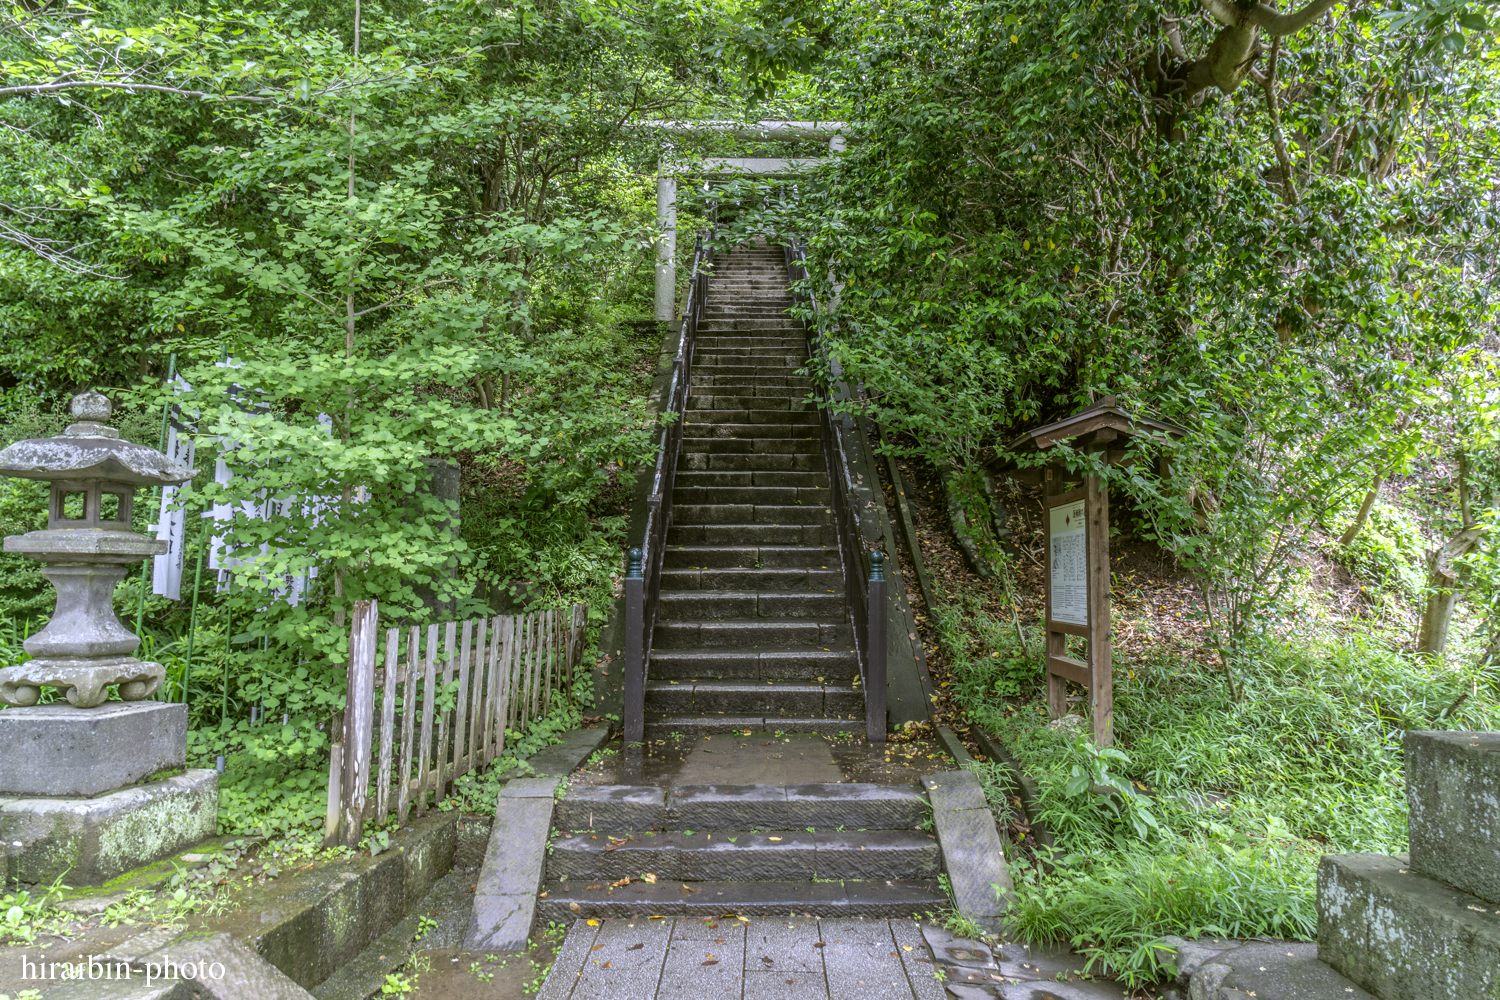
634,708
875,675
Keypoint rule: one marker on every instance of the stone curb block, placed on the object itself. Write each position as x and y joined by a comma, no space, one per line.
506,896
972,853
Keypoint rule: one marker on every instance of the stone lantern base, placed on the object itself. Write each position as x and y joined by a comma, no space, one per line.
87,794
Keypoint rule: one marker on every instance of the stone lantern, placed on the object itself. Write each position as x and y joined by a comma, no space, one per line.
90,787
87,548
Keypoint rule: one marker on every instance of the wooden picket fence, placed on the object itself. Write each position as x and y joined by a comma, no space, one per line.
509,668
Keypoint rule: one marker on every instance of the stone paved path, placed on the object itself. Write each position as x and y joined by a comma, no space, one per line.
729,959
766,958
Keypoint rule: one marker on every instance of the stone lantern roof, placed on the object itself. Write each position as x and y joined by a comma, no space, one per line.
90,449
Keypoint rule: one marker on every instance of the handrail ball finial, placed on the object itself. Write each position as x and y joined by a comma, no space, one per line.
877,565
633,566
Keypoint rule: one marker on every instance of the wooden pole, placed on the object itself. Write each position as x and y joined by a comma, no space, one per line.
1101,666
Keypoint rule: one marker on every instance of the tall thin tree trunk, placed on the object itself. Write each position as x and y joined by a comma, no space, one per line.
1364,512
1442,577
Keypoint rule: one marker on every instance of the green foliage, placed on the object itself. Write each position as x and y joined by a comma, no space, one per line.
1388,553
1116,910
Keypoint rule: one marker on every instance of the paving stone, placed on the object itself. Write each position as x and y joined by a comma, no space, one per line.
785,986
856,805
863,963
1402,935
783,945
1453,797
1275,970
567,965
728,807
922,975
703,967
611,807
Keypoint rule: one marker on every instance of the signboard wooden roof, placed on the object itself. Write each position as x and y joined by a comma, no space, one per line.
1103,423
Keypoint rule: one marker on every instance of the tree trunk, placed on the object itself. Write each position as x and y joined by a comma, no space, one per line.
959,522
1364,512
1442,591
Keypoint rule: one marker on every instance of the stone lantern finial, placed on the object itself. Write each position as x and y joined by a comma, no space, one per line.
86,549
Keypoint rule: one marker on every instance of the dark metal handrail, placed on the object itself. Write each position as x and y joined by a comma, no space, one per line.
643,568
864,569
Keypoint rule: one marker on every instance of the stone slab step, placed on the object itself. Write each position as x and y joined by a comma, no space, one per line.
727,664
752,461
765,556
664,725
751,635
728,513
701,378
752,390
719,437
774,697
852,805
904,898
723,605
752,534
742,856
756,496
1402,935
754,579
802,480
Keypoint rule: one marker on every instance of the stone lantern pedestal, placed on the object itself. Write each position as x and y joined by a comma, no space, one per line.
91,788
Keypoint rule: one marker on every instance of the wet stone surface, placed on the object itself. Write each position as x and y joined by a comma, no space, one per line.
762,757
805,958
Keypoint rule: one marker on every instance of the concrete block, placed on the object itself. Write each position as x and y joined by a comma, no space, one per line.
1404,936
506,895
94,840
59,750
1453,794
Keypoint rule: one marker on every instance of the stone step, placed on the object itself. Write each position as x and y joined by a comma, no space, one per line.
768,404
705,556
742,856
718,378
803,480
742,664
751,636
727,513
874,899
752,443
748,354
755,373
715,343
810,460
663,726
753,579
1402,935
741,364
758,496
752,534
751,416
745,392
850,804
744,697
721,605
724,434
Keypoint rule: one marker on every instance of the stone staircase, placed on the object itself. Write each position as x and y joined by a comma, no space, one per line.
753,641
752,630
823,850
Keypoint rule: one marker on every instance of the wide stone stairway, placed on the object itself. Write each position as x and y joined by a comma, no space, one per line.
740,806
752,630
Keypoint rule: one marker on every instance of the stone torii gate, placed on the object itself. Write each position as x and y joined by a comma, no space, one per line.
669,170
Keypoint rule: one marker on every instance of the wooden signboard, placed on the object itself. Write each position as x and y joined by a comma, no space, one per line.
1076,582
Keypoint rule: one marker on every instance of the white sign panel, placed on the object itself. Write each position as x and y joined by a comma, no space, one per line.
1068,561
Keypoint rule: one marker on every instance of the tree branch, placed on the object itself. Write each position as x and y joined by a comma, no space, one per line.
1223,11
1276,24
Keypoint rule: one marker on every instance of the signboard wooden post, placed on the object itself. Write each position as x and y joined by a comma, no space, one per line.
1076,586
1075,575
